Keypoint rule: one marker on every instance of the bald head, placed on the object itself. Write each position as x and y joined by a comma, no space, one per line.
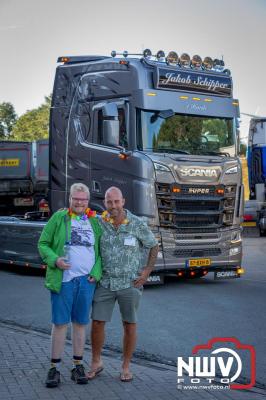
114,202
115,190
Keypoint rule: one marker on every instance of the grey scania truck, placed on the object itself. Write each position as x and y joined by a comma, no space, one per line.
162,129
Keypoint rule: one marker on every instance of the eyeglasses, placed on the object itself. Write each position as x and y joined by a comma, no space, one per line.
76,199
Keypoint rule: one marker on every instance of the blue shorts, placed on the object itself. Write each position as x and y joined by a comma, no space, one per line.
73,302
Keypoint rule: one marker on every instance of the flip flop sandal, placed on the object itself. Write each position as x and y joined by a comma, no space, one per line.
94,373
126,377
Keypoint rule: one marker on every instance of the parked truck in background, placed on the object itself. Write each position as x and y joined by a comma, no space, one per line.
162,129
255,207
23,176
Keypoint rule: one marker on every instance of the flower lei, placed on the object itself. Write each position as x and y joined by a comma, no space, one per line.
84,217
107,218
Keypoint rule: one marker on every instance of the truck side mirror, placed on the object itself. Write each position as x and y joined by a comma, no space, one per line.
110,125
111,132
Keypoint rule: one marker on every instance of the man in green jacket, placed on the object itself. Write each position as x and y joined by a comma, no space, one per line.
69,245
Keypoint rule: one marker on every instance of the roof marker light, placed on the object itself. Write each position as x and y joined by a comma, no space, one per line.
196,98
183,97
63,59
151,94
208,100
124,62
185,60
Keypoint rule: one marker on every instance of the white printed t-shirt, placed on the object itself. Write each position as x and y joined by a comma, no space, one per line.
81,254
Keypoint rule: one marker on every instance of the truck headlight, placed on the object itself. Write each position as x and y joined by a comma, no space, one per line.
234,250
232,170
161,167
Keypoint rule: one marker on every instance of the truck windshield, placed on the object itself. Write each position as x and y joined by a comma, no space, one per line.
186,134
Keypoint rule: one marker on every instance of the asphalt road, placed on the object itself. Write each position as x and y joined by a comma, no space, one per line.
172,318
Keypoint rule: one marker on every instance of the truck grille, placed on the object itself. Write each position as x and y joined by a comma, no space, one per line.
195,206
196,220
210,252
200,204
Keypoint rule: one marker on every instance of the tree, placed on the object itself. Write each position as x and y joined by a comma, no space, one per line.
8,118
34,124
180,132
243,149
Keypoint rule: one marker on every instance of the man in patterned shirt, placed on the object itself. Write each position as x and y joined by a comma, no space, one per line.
124,234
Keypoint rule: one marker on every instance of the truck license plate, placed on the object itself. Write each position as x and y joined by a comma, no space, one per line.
23,201
199,262
155,280
226,275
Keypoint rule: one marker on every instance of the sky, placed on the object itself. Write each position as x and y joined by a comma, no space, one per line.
33,33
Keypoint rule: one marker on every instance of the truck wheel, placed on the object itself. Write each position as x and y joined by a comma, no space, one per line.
262,232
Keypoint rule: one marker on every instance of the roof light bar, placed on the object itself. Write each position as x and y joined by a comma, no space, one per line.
172,59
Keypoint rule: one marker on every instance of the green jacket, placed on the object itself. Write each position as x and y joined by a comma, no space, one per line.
51,246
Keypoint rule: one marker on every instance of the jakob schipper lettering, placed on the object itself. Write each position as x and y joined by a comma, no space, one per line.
211,84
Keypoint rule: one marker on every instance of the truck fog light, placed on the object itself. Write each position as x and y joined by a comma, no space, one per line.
234,250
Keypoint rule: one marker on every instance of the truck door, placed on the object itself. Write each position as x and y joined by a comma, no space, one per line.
107,169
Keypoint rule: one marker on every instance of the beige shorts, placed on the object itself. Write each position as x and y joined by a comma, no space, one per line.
104,302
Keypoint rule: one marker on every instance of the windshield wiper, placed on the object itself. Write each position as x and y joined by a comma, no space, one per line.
216,153
169,150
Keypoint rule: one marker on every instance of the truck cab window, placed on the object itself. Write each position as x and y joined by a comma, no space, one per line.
123,140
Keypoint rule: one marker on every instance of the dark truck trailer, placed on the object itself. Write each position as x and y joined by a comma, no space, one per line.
41,169
23,175
16,170
166,134
255,207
